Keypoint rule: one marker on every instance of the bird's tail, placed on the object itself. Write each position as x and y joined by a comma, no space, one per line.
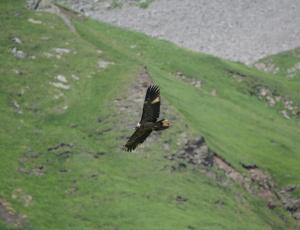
162,124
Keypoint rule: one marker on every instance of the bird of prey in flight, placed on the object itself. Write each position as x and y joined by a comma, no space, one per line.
148,122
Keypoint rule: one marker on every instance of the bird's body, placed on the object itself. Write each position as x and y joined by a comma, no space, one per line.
154,126
149,118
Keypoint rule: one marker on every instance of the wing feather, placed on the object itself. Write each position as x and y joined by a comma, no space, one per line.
151,107
138,137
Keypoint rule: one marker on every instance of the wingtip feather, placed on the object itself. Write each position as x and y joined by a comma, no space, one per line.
153,91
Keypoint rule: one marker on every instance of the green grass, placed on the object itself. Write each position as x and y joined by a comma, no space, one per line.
131,190
144,3
285,63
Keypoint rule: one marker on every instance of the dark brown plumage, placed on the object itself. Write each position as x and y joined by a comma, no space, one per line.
148,122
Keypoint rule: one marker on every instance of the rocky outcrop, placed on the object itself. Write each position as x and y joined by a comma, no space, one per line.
292,71
290,201
18,53
192,81
286,106
267,67
195,151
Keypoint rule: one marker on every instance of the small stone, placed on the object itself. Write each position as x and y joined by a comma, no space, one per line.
213,93
61,51
18,53
45,38
102,64
181,199
198,84
33,21
18,72
278,98
285,114
48,55
264,92
61,78
75,77
17,107
16,40
58,95
60,85
271,101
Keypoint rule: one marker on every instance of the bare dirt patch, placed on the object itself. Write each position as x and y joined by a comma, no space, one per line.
10,216
131,104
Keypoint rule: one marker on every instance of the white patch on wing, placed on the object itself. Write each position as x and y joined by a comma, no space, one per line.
156,100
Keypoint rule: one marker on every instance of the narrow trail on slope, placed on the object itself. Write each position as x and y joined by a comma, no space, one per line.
47,6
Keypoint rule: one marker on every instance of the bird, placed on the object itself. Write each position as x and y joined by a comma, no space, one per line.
149,121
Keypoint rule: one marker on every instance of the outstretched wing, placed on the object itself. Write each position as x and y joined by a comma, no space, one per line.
138,137
151,105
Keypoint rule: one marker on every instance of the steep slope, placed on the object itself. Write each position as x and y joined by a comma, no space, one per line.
285,66
70,99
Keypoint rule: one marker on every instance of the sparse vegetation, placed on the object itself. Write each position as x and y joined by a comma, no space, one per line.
144,3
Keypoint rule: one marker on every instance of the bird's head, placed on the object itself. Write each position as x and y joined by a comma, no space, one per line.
138,125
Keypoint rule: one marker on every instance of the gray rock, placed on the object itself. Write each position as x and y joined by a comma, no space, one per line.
60,85
61,78
33,21
18,53
103,64
16,40
196,152
61,51
285,114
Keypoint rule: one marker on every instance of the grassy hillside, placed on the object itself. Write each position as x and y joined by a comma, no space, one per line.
61,133
285,66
